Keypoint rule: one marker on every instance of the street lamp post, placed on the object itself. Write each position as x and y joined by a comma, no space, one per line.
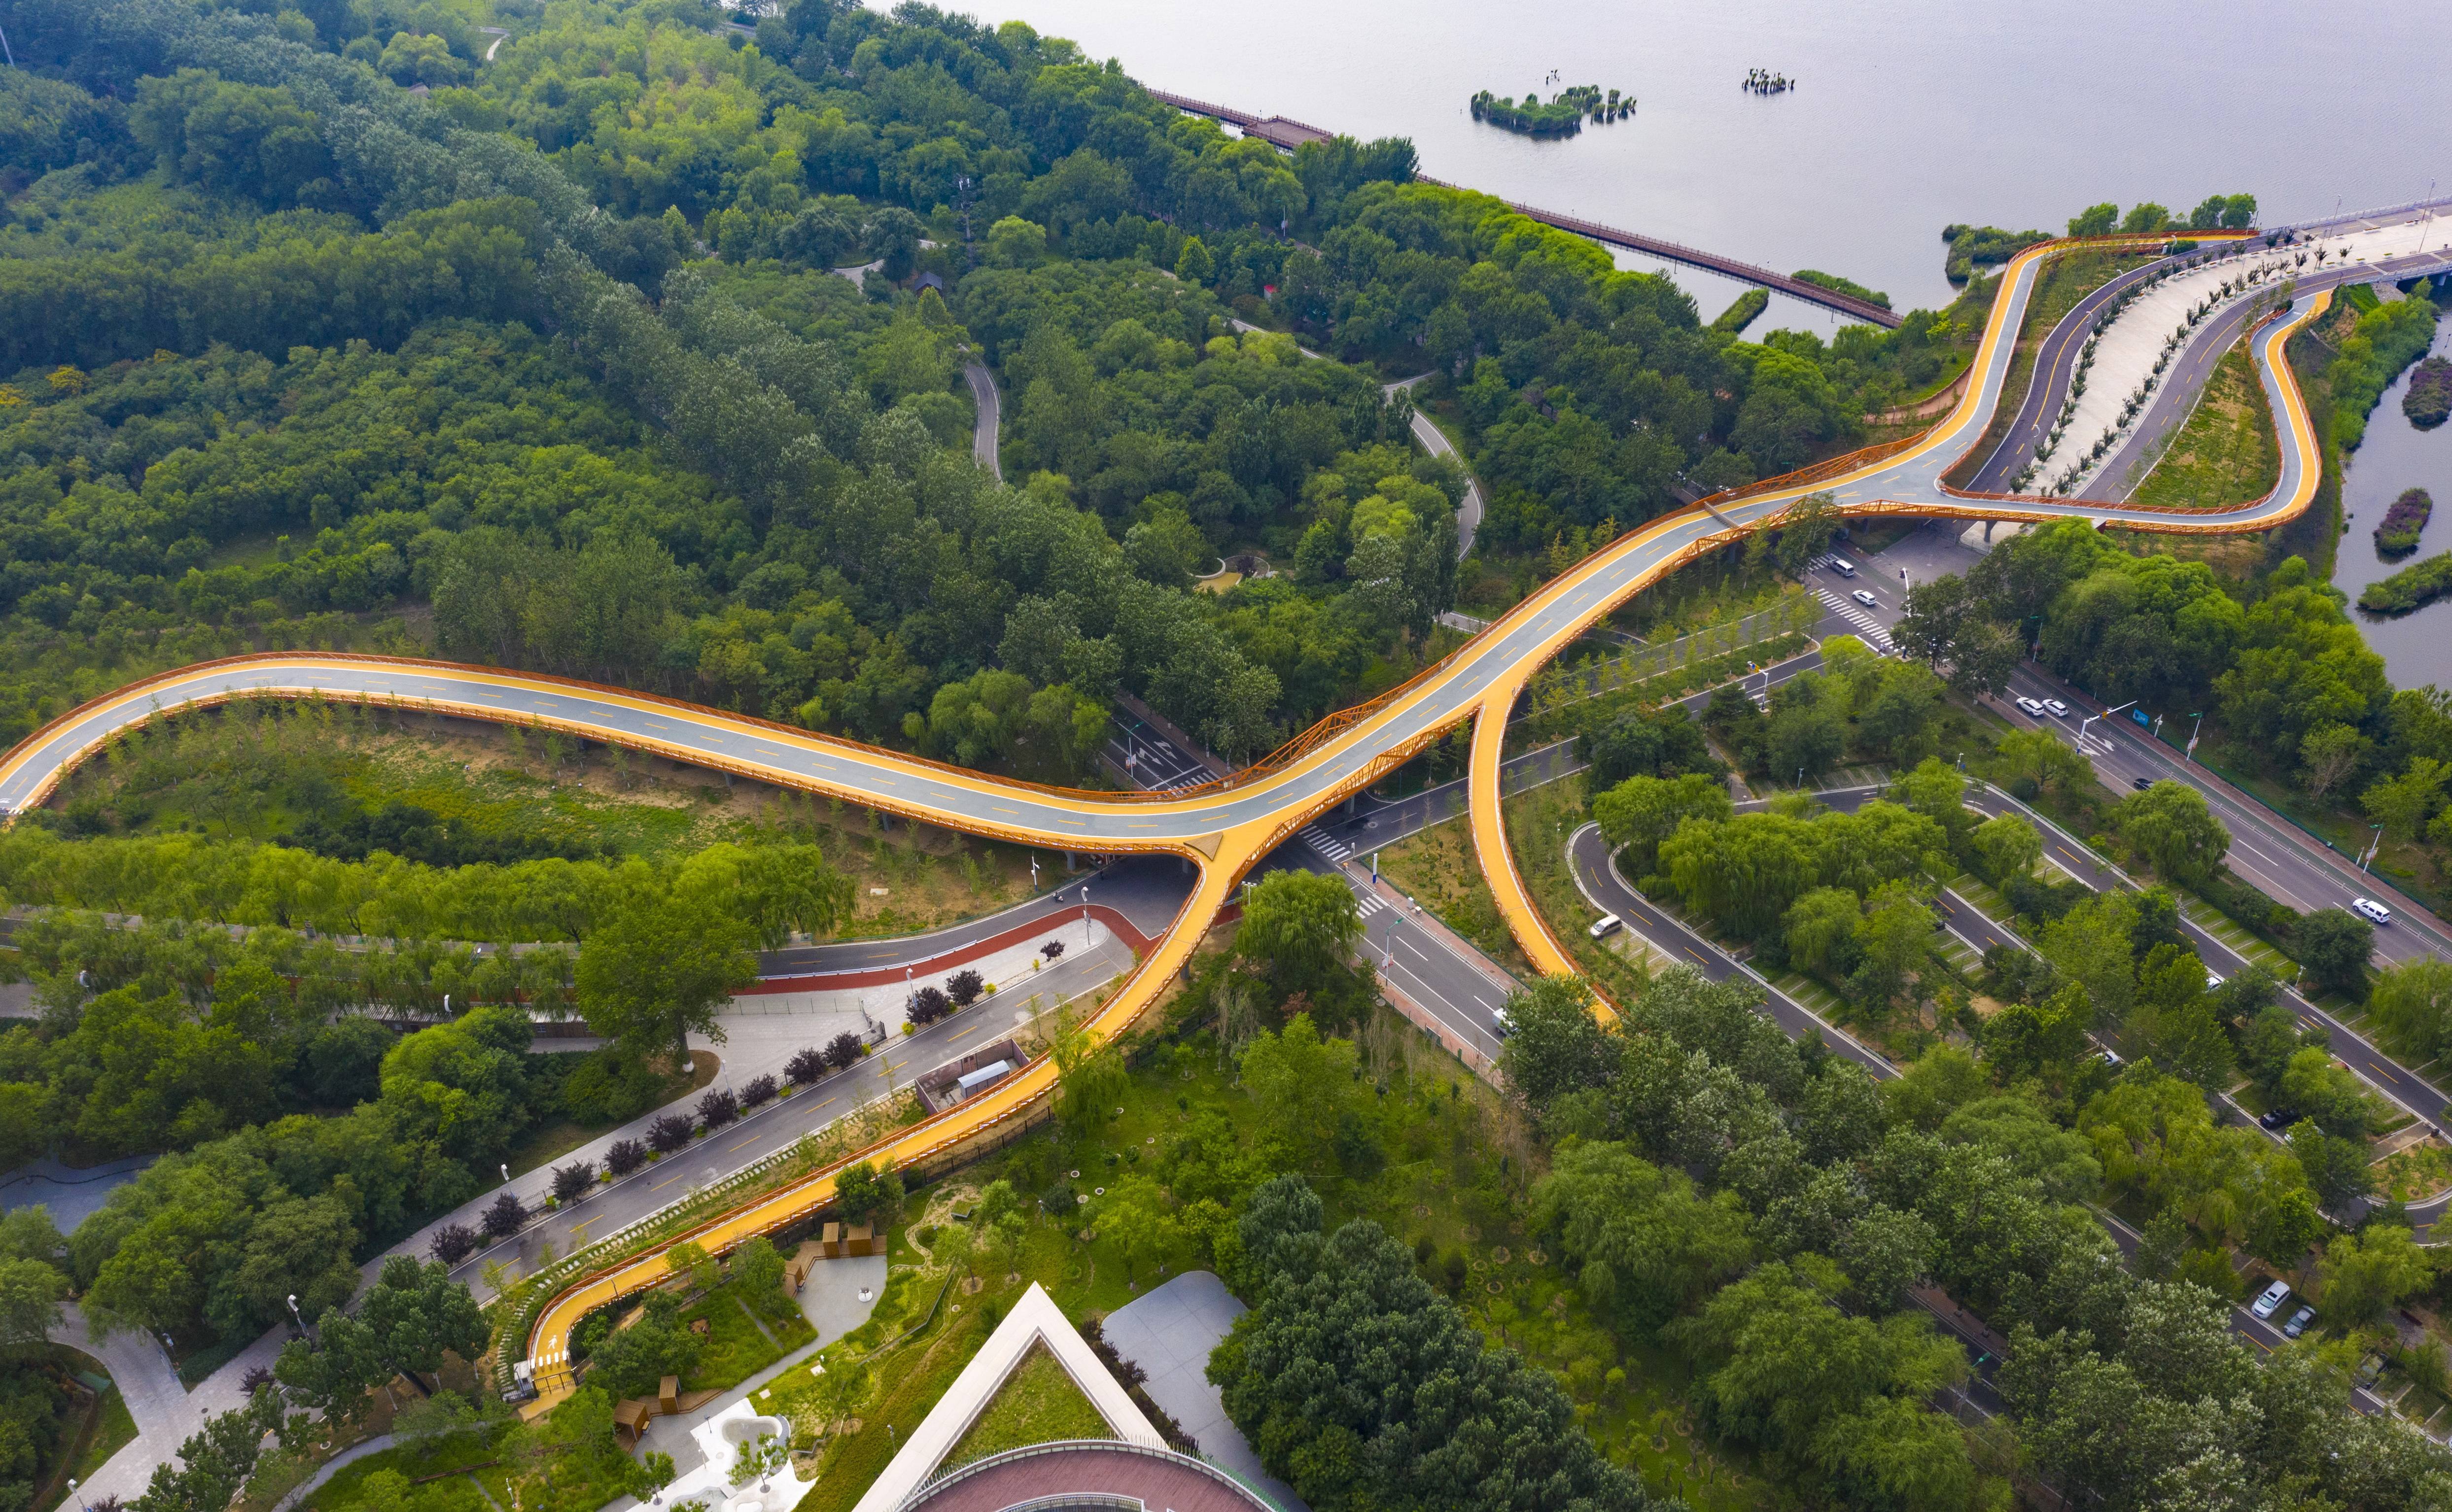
2374,844
293,1313
2092,717
79,1495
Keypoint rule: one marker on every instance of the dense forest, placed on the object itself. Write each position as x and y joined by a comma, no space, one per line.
616,238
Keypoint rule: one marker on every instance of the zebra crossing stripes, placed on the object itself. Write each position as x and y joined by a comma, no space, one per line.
1367,902
1868,629
1153,766
1334,851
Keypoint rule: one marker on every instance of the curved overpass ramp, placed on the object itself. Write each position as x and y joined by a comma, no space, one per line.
1225,826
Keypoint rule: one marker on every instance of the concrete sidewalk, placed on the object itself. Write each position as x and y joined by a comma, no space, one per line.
164,1412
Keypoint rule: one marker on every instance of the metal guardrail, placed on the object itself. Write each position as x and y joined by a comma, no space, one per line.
1791,616
2342,217
1831,299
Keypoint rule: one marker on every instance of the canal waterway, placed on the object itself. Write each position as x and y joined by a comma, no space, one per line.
2417,648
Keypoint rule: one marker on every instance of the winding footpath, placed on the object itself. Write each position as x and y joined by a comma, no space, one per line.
1222,827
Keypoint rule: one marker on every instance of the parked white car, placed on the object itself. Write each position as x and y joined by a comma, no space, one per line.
2270,1301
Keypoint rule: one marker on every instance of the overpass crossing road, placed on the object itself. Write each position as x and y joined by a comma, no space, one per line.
1224,826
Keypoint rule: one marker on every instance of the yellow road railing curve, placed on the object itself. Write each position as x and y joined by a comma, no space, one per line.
1362,744
2297,433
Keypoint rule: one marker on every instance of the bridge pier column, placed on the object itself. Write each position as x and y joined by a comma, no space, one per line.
1072,861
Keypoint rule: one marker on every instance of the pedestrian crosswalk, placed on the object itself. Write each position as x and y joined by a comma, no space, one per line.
1152,764
1332,850
1367,900
1868,629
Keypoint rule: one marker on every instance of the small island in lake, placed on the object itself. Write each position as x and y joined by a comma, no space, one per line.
2430,399
2398,535
1563,116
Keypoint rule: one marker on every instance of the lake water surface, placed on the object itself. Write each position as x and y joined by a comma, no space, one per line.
1909,116
2417,648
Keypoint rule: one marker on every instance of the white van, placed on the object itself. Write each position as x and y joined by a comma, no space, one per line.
1843,566
1607,924
2270,1300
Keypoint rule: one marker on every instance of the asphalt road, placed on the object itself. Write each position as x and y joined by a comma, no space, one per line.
2047,386
1148,890
1497,659
777,1126
1434,440
2176,398
1607,888
2276,858
984,428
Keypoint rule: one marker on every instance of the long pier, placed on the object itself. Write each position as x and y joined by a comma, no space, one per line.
1288,134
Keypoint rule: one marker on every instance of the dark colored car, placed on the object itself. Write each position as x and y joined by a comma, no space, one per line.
2141,784
2276,1119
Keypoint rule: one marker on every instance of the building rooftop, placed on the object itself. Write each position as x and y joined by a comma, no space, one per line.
1105,1475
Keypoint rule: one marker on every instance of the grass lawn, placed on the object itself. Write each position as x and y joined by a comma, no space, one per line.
1037,1404
436,1457
88,1437
2417,1173
114,1431
737,1345
496,781
2225,455
201,1356
1438,869
1538,824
